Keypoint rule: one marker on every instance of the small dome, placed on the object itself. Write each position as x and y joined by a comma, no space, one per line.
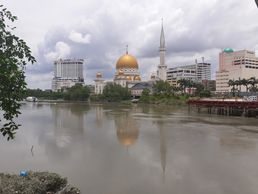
228,50
98,75
137,78
120,72
127,61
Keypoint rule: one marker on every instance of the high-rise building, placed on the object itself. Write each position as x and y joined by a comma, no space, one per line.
234,65
162,67
196,72
67,73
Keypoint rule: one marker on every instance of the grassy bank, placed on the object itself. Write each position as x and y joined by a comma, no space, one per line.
164,100
35,183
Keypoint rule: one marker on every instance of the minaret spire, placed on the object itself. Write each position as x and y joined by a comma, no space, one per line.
162,67
162,38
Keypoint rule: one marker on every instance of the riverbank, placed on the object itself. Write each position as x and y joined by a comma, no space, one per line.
164,100
35,183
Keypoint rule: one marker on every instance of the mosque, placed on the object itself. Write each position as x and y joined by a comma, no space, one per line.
127,70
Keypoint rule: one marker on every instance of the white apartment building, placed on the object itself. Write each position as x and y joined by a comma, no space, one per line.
234,65
196,72
67,73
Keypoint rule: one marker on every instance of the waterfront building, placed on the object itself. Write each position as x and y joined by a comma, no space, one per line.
209,85
234,65
196,72
162,67
67,73
99,84
137,89
127,71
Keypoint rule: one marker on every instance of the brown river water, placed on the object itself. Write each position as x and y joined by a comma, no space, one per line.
139,149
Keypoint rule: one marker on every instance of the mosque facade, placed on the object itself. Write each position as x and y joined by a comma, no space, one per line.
127,70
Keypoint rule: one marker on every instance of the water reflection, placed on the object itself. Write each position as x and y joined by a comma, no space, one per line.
68,130
163,147
127,130
171,151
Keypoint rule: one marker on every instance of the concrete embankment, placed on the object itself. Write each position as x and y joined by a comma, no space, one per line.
35,183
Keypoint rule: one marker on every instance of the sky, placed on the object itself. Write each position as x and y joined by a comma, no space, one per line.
99,30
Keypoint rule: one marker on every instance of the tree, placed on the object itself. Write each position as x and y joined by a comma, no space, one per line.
252,81
78,92
14,55
162,87
244,82
233,84
115,93
145,97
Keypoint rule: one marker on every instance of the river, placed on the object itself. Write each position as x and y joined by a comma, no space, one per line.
121,149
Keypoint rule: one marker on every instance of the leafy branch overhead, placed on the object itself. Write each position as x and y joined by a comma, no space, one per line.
14,55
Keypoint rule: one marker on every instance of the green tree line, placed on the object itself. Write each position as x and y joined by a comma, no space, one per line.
249,84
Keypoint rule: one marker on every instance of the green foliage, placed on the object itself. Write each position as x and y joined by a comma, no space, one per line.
77,92
14,55
162,88
145,97
46,95
205,93
250,85
115,93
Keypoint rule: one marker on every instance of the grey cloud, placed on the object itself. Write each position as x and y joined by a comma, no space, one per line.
200,28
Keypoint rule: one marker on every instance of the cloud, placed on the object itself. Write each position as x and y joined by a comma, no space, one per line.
62,50
79,38
98,30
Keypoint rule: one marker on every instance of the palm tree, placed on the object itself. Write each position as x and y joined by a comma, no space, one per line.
252,82
244,82
232,84
182,84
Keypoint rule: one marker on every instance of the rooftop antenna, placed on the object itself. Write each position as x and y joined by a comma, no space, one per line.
202,59
126,49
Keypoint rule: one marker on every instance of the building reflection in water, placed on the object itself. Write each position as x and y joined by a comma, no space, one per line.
163,147
68,123
68,130
99,115
127,130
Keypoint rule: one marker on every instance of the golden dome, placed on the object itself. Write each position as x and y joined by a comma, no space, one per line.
127,61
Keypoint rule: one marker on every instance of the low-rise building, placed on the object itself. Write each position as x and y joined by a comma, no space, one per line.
137,89
196,72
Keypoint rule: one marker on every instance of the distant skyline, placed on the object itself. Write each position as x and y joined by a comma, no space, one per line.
99,30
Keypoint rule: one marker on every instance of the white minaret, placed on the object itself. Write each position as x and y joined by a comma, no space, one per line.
162,68
99,83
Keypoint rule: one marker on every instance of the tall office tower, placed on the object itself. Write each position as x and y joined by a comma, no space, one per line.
235,65
67,73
